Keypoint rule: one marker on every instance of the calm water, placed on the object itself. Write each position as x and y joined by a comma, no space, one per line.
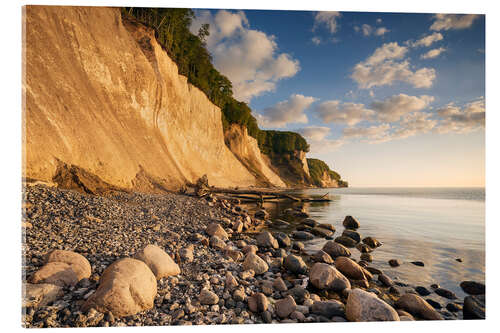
433,225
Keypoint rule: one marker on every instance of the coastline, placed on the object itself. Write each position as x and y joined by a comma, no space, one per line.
106,228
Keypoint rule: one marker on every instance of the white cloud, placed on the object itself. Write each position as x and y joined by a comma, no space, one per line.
383,68
392,108
343,113
316,136
428,40
468,118
285,112
316,40
381,31
386,52
366,29
452,21
314,133
328,19
432,53
372,132
249,58
413,124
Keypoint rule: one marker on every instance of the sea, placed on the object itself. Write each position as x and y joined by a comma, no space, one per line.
434,225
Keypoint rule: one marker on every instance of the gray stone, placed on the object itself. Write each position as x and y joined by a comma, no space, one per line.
365,306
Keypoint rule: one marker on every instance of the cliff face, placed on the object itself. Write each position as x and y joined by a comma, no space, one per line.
102,95
292,168
246,149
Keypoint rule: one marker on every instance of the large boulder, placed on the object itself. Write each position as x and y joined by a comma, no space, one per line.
346,241
473,288
371,242
322,256
417,306
284,307
352,234
79,264
321,232
255,263
160,263
302,235
215,229
350,222
324,276
42,294
265,239
474,307
283,239
366,306
58,273
126,287
350,268
335,249
295,264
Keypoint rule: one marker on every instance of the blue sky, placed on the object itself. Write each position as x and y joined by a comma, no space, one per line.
398,94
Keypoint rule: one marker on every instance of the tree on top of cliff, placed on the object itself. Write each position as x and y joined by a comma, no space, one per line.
189,52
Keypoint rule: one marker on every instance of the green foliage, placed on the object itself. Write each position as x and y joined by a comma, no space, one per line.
189,52
281,142
317,168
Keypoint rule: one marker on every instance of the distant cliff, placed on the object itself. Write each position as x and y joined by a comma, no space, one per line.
322,176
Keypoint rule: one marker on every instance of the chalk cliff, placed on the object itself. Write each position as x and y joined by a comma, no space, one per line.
100,94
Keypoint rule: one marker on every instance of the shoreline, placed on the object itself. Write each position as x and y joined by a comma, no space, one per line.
106,228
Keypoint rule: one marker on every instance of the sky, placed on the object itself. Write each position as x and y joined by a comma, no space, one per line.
386,99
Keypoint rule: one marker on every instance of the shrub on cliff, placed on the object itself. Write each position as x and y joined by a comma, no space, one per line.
317,168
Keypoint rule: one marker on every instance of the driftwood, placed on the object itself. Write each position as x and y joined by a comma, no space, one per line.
264,195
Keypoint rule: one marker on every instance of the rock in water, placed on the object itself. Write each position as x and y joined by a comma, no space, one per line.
365,306
352,234
322,256
323,276
445,293
474,307
79,264
349,268
261,214
350,222
394,263
302,235
422,291
284,307
346,241
329,309
126,287
58,273
295,264
265,239
418,263
42,294
366,257
160,263
283,239
371,242
255,263
321,232
386,281
473,288
417,306
335,249
363,248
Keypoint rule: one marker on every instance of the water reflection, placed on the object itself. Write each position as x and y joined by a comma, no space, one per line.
434,229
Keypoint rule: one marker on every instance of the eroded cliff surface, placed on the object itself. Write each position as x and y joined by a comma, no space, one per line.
102,95
246,149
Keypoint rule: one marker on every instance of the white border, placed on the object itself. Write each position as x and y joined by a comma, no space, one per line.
11,142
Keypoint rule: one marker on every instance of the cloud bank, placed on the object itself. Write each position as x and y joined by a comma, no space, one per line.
248,57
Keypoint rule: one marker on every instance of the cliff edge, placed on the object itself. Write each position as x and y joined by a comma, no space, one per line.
101,95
